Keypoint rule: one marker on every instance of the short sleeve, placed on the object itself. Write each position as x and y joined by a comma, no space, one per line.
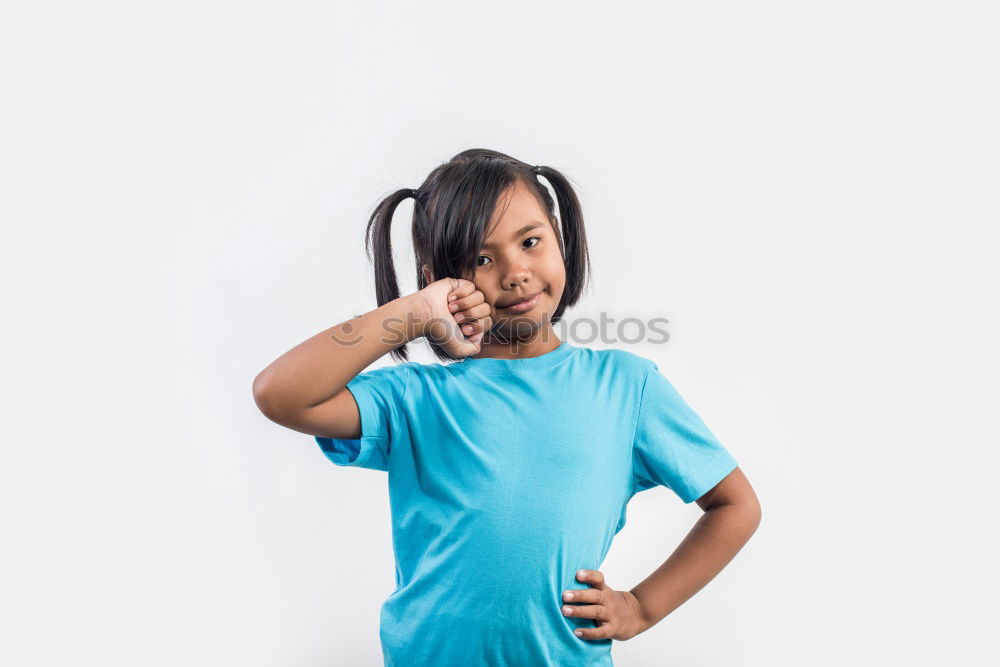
672,447
379,394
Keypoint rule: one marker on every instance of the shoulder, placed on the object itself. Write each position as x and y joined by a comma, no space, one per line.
390,371
620,362
407,379
391,379
432,373
627,359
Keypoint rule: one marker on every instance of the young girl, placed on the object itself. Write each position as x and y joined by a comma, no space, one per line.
511,465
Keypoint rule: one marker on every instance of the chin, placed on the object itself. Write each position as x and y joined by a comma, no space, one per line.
523,324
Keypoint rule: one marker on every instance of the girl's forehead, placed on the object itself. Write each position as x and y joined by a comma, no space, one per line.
515,209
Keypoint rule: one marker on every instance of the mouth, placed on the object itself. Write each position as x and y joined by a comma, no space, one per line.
522,306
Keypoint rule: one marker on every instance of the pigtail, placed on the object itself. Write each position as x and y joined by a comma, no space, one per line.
574,238
378,247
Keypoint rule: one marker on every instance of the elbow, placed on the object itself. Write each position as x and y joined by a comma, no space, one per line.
264,397
754,514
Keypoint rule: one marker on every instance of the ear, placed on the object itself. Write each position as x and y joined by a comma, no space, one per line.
428,274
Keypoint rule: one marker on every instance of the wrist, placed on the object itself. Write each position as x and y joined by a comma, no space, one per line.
416,314
642,617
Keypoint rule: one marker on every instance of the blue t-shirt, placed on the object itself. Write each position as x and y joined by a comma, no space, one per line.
506,476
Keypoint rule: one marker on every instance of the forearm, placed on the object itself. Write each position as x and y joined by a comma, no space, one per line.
319,367
709,546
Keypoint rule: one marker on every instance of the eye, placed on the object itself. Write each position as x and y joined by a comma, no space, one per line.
533,238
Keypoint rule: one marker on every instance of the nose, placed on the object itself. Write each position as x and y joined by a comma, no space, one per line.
516,277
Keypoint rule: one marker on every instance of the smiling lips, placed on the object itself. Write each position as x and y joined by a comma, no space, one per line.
523,306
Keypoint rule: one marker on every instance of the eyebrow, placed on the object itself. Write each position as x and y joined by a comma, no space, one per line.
523,230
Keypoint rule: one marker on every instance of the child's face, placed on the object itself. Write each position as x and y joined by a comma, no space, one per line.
516,262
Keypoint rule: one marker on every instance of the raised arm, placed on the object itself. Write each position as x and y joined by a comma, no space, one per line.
303,389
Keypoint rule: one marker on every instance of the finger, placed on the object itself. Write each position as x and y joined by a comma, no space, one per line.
602,632
460,288
472,345
485,321
473,313
598,612
476,326
476,340
463,302
485,324
582,595
593,577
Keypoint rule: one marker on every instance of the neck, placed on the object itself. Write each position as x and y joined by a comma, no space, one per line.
540,342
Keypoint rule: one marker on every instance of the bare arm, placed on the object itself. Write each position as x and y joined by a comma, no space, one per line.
303,388
732,514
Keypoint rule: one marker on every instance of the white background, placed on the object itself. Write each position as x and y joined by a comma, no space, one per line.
807,191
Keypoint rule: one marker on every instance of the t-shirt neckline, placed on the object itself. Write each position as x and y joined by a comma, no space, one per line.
542,361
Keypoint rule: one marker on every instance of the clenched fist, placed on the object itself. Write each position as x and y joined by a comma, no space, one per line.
456,315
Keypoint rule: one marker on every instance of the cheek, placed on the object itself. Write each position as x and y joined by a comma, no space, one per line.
556,269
